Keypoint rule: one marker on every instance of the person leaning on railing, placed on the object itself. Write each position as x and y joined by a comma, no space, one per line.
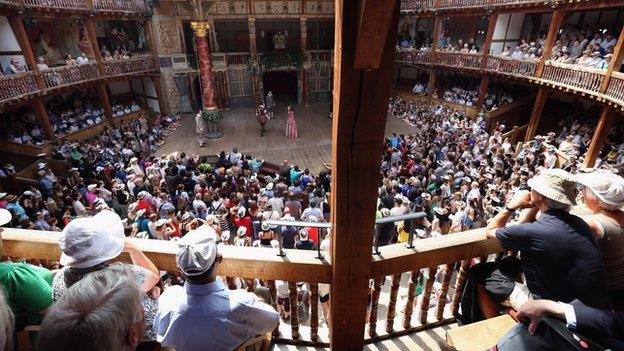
100,312
559,255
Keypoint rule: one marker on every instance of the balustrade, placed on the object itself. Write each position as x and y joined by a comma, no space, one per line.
67,75
460,60
320,55
121,5
237,59
17,85
58,4
413,56
128,66
525,68
615,89
416,5
10,2
584,78
421,5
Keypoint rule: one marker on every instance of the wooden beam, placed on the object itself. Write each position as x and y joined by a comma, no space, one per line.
536,114
607,120
488,38
103,94
42,117
374,23
161,102
360,111
433,76
437,24
616,62
17,25
97,55
555,24
483,88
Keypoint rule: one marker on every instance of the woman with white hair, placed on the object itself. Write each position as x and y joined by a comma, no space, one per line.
100,312
603,193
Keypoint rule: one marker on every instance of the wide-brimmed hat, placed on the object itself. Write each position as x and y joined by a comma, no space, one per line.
241,231
555,184
89,241
303,235
265,226
608,187
5,216
196,259
225,236
210,219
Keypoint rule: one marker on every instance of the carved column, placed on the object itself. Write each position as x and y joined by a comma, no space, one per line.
252,36
255,63
206,74
97,56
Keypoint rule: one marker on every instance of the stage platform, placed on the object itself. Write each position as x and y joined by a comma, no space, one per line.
311,150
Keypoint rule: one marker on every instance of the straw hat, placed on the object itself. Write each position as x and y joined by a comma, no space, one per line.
5,216
555,184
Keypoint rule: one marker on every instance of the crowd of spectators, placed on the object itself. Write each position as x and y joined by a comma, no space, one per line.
453,169
462,95
66,116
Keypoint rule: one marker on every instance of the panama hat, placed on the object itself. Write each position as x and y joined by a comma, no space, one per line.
89,241
555,184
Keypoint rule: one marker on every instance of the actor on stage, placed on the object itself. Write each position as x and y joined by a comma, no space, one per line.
263,118
291,124
200,128
270,104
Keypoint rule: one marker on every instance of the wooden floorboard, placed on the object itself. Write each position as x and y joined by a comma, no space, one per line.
311,150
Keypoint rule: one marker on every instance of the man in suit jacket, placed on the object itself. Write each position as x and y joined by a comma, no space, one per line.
602,326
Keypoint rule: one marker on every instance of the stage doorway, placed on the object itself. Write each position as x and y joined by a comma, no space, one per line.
283,84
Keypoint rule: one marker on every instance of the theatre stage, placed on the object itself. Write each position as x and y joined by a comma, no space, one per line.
311,150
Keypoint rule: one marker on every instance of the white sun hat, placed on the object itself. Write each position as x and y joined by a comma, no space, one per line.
555,184
5,216
608,187
89,241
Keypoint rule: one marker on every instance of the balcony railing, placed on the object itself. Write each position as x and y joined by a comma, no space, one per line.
459,60
237,58
125,6
134,65
117,6
67,75
429,5
320,55
242,265
417,5
510,66
583,78
59,4
17,85
413,56
615,90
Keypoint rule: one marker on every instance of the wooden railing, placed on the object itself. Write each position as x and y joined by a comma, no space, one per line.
125,6
525,68
17,85
583,78
59,4
11,2
320,55
237,59
67,75
413,56
416,5
459,60
615,90
129,66
242,265
429,5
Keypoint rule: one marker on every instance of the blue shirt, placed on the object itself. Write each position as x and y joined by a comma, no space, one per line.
560,258
210,317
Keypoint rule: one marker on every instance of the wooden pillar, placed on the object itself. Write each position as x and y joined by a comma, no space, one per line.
304,33
97,56
151,40
607,119
555,24
616,62
103,94
159,94
42,117
483,88
536,114
365,37
17,25
252,36
433,76
488,38
437,24
305,91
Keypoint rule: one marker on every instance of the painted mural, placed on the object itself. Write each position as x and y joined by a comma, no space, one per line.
53,41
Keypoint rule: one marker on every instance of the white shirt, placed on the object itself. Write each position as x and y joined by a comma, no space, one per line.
82,60
210,317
